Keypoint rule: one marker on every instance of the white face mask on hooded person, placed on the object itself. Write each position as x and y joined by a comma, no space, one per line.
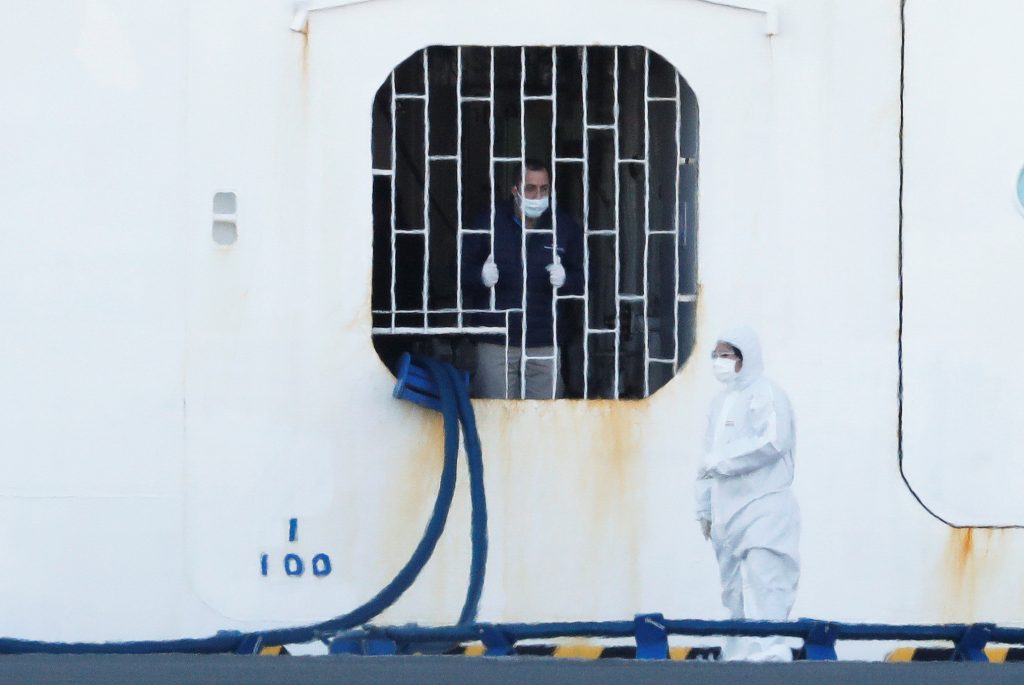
533,207
724,368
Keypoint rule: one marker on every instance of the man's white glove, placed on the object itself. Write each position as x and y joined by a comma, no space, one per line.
556,273
489,274
705,528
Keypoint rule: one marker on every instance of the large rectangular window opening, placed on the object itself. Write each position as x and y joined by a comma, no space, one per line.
590,293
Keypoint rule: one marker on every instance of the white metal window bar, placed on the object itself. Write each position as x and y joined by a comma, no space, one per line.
678,233
522,256
618,213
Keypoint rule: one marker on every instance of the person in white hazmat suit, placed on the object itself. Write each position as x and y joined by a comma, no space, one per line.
744,501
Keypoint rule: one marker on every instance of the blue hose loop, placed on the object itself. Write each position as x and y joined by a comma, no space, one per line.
415,383
435,526
454,403
478,499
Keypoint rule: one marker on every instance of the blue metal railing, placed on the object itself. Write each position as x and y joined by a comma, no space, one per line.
651,633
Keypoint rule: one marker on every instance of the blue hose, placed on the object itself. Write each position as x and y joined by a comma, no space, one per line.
478,500
455,405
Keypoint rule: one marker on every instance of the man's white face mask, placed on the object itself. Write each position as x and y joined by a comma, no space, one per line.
533,207
724,368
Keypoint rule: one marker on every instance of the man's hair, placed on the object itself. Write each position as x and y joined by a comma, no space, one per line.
531,164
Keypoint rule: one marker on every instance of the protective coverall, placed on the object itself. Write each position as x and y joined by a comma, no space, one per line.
743,489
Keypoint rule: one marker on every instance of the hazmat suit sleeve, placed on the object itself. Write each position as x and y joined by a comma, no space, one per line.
769,437
702,488
702,491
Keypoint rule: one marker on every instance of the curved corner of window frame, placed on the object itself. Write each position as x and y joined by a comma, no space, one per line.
617,129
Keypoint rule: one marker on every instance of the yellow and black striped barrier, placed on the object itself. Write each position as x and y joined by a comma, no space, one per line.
591,650
274,650
996,655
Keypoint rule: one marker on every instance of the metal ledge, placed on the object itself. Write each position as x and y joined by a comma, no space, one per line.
766,7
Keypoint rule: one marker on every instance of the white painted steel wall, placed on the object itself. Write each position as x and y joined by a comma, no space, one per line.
169,404
964,245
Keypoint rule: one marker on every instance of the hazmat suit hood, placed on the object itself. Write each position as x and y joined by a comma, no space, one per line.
745,340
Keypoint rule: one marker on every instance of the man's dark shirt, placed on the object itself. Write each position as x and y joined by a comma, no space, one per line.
508,290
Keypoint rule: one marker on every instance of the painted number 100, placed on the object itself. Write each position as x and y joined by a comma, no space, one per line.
294,565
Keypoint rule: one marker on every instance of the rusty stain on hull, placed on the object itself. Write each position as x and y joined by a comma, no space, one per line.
972,567
565,498
618,497
570,483
412,499
959,578
961,549
304,65
305,45
361,321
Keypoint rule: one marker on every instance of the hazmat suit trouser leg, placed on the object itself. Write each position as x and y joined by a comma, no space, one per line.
759,585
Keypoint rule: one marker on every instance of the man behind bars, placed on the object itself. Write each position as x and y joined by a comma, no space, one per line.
554,266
